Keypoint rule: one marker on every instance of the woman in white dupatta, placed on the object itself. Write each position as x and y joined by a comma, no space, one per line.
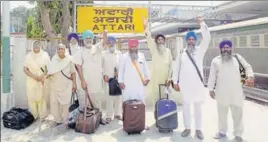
35,67
61,71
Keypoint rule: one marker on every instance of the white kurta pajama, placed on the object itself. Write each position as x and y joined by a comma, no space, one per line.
229,91
61,87
190,84
35,90
134,88
161,67
91,62
113,103
74,51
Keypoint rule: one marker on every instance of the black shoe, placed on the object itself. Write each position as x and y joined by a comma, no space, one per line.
103,122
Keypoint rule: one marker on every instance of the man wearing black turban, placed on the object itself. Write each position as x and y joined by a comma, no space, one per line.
225,86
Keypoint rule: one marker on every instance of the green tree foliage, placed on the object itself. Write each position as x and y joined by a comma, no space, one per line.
34,26
19,18
55,10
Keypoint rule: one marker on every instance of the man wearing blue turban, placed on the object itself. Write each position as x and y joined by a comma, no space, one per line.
110,67
225,76
188,78
73,46
89,63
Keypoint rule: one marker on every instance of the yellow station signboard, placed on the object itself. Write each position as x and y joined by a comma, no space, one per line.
113,19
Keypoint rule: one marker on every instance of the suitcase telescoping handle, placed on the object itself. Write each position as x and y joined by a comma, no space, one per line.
159,87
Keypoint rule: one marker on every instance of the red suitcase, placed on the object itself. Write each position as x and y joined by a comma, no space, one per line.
133,116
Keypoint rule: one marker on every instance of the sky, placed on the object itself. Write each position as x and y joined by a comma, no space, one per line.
14,4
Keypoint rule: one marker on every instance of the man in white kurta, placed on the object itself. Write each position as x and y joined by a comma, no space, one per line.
228,91
61,72
110,64
72,50
73,47
132,81
161,63
89,64
35,67
187,80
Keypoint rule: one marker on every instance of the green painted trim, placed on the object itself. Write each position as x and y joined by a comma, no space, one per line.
6,64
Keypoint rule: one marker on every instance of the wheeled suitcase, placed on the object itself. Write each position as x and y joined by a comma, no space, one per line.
166,113
133,116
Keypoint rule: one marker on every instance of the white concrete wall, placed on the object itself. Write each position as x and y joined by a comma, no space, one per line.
19,78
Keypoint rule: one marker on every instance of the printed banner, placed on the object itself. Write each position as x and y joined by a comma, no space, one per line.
113,19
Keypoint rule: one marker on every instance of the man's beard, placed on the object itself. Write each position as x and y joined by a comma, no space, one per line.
111,49
133,55
88,45
161,48
73,44
226,56
191,48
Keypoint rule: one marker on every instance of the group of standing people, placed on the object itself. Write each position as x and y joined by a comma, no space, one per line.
88,69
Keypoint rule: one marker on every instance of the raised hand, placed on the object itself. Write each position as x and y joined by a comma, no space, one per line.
145,23
176,87
212,94
199,19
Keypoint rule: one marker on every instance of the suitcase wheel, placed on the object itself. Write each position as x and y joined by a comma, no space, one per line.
165,131
133,133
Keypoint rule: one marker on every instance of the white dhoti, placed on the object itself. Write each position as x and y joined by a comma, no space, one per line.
113,104
197,115
237,115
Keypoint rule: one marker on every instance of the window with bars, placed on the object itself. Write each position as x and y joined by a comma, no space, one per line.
234,41
255,40
243,41
266,40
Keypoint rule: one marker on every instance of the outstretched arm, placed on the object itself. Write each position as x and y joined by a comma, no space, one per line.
100,45
205,35
150,43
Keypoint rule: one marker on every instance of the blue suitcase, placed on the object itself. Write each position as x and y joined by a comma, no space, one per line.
166,113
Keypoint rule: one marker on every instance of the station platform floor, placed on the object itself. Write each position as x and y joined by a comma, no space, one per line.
255,119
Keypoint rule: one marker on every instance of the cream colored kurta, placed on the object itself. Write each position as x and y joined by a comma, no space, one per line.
61,87
74,51
110,61
91,62
161,67
183,70
113,103
226,75
35,89
134,88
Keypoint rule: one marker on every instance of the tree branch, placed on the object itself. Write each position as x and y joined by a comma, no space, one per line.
66,19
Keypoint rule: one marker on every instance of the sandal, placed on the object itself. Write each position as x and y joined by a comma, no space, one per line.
108,120
118,117
103,122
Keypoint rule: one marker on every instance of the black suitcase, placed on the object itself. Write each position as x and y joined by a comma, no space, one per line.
17,118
